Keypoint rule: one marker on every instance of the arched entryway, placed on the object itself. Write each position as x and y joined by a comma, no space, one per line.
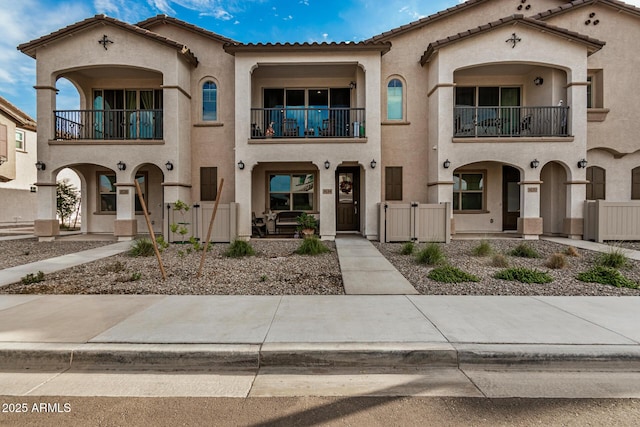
553,198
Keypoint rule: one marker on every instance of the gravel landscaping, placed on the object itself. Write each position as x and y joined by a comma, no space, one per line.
276,270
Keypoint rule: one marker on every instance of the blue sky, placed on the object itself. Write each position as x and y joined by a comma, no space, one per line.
242,20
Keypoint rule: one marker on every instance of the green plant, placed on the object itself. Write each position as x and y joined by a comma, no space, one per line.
431,254
606,276
312,245
499,260
306,222
239,248
614,258
135,276
181,253
450,274
408,248
524,275
32,278
524,250
571,251
162,244
483,249
264,278
195,243
141,247
557,261
67,201
181,227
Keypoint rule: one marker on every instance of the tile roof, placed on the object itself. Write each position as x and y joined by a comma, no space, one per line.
382,47
30,48
162,19
592,44
580,3
21,118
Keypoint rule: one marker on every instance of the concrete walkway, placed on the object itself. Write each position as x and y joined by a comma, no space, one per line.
366,272
593,246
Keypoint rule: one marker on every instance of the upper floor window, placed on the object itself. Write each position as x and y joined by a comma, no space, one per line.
20,142
209,101
594,89
395,100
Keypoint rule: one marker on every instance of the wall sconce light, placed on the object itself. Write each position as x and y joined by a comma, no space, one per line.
121,165
538,81
446,164
327,165
535,163
352,85
40,165
240,165
169,165
373,164
582,163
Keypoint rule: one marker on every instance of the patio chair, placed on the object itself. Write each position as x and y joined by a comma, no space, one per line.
258,226
327,129
290,127
525,125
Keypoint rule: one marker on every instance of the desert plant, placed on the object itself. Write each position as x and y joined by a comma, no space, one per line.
181,227
307,224
67,201
524,250
614,258
141,247
312,245
162,244
606,276
450,274
135,276
499,260
557,261
431,254
524,275
239,248
264,278
407,248
571,251
483,249
32,278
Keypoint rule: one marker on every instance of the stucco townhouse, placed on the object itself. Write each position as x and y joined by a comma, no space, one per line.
506,115
18,198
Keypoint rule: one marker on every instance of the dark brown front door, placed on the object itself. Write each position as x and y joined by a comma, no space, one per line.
347,199
510,198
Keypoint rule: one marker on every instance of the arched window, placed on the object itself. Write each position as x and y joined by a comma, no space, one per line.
394,100
597,178
209,101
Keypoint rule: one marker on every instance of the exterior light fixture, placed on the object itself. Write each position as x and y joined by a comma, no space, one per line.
240,165
538,81
121,165
40,165
352,85
446,164
373,164
535,163
327,164
169,165
582,163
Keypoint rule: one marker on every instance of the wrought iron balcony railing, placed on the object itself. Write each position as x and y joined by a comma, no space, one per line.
312,122
108,124
499,122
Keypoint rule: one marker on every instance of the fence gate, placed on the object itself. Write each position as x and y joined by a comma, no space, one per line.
404,222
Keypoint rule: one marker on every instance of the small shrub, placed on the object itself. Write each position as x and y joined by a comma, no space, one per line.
557,261
264,278
483,249
615,258
450,274
571,251
408,248
141,247
162,244
524,275
606,276
32,278
312,245
499,260
239,249
524,250
135,276
432,254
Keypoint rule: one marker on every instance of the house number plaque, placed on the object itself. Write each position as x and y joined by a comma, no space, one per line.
532,189
327,191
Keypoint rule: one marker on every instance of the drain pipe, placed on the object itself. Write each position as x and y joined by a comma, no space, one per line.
385,222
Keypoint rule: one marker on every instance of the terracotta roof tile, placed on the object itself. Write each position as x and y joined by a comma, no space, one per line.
161,19
232,48
17,115
579,3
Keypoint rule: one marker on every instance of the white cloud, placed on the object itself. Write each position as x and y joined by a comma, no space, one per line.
287,18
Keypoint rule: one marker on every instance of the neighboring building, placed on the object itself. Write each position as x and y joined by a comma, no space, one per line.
513,120
18,148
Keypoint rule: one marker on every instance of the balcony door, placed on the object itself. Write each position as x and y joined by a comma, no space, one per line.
127,114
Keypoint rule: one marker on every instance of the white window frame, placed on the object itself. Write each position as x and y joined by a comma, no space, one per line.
22,140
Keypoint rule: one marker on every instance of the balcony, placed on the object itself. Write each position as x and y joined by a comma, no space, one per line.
108,125
508,122
309,123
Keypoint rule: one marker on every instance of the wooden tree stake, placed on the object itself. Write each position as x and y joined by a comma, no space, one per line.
213,217
153,236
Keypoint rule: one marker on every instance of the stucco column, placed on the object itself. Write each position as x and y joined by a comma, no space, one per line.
576,195
373,190
530,222
125,226
243,200
327,200
46,227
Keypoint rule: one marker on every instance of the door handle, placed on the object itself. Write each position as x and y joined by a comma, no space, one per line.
355,210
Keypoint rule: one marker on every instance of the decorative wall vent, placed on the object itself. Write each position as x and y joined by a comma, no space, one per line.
522,5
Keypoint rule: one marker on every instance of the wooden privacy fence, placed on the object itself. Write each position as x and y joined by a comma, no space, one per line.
196,220
611,220
404,222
